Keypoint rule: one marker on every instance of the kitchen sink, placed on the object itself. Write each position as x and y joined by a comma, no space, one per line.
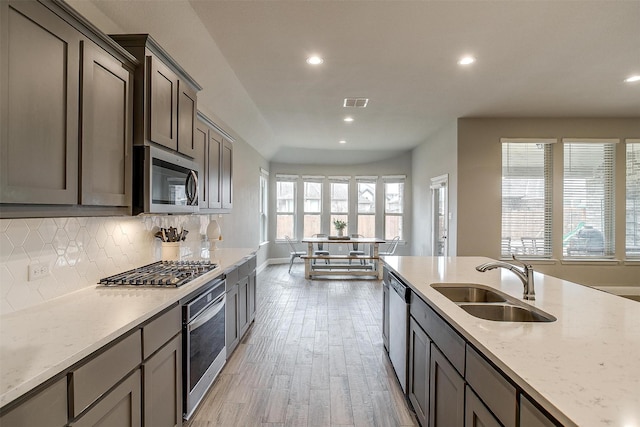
486,303
507,313
468,293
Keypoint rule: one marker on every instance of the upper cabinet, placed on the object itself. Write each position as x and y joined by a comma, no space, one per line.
214,155
165,96
65,113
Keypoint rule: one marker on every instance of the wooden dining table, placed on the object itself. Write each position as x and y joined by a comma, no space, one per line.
341,264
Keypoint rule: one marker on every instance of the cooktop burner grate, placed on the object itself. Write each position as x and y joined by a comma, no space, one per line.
161,273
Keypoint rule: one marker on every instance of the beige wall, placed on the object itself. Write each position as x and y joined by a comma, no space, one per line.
435,157
479,189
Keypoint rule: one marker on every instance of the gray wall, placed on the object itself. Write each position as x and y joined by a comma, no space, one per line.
400,165
479,189
435,157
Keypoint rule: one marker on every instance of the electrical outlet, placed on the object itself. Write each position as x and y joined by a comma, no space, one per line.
37,271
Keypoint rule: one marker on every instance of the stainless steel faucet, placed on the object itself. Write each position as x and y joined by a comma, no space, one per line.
525,274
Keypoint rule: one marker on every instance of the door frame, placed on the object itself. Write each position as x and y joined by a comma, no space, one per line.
438,183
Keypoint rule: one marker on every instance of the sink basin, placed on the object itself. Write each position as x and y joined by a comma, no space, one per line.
506,313
486,303
469,293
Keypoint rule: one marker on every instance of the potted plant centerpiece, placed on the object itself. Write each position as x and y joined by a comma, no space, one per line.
340,226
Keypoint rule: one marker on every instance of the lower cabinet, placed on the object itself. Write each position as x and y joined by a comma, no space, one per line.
252,296
531,416
231,319
419,352
47,408
162,391
476,414
243,305
446,392
121,407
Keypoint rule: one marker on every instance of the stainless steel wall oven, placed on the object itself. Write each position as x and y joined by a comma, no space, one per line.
203,337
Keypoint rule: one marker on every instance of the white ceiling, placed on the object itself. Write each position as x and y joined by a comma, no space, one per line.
535,59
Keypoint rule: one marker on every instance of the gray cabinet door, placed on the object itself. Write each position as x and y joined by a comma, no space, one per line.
476,414
163,103
252,296
243,307
419,357
39,89
231,320
227,175
187,109
119,408
446,392
106,129
201,157
530,416
48,408
163,386
215,170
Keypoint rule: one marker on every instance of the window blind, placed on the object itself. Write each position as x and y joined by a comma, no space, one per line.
527,198
632,237
589,199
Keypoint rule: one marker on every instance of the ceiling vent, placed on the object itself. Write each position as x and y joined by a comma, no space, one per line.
356,102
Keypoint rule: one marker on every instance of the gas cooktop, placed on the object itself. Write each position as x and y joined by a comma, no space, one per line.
161,273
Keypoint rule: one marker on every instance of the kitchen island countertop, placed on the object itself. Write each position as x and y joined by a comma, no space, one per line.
40,342
584,368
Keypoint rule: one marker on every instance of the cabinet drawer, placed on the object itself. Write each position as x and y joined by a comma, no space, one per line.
232,278
489,384
161,330
47,408
530,416
252,263
98,375
243,270
448,341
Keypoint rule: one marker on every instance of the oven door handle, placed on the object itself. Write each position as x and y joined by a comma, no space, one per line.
207,315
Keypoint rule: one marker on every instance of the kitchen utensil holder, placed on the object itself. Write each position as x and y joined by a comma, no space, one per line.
170,251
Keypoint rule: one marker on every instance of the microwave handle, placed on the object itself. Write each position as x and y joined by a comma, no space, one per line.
192,187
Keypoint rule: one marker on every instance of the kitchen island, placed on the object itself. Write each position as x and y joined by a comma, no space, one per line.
40,342
583,368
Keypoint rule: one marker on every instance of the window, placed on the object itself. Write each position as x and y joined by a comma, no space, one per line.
393,208
286,208
264,205
339,204
588,199
367,208
312,208
632,238
526,197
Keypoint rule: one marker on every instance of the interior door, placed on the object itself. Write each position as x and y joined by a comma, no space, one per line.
439,215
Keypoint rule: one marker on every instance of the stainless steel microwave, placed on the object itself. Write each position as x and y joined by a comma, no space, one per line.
164,182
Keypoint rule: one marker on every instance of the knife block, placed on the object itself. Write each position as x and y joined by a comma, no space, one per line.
170,251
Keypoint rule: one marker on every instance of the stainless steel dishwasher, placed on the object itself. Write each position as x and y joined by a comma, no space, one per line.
398,327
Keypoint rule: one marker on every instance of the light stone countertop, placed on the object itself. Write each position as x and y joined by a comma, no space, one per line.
40,342
583,368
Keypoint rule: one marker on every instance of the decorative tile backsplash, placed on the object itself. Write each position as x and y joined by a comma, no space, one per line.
80,251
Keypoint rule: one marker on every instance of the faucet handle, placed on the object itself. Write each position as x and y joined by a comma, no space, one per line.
524,264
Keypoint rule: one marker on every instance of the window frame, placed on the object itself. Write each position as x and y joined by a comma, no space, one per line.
319,213
263,211
335,214
293,213
394,179
632,145
373,180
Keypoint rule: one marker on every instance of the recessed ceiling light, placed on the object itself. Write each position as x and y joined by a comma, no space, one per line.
466,60
314,60
342,141
632,79
348,119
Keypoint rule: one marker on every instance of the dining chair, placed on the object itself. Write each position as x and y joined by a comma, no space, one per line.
294,252
320,251
356,250
392,247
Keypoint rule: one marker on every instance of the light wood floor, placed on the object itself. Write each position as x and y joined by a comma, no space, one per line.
313,357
